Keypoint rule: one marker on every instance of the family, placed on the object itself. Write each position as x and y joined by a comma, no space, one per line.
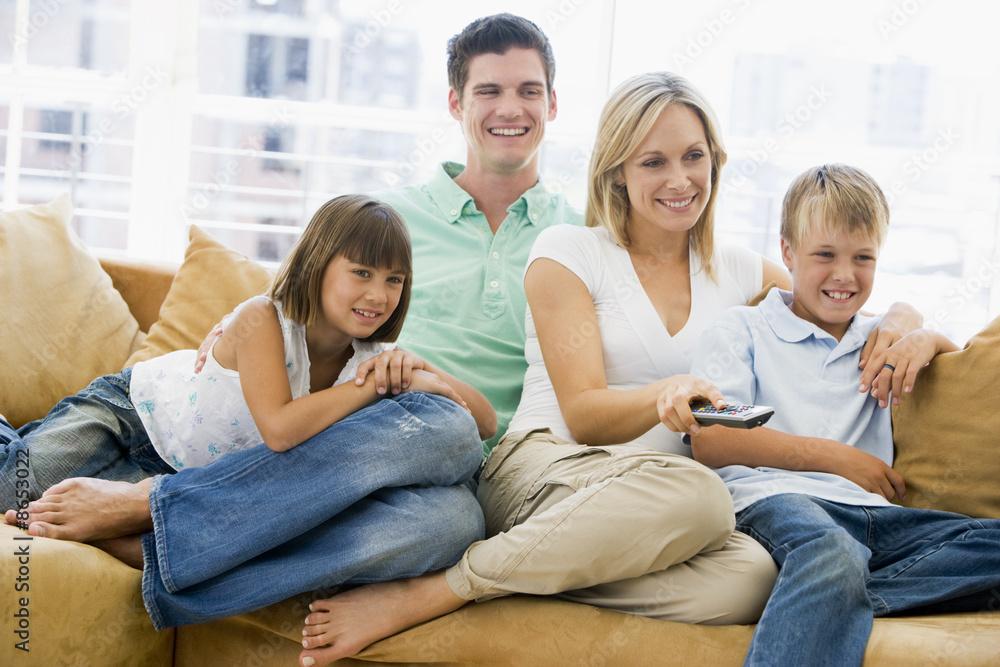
332,432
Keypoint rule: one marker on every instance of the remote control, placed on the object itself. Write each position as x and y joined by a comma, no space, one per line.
736,416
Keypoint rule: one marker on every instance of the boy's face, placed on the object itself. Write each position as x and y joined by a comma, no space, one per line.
503,109
832,277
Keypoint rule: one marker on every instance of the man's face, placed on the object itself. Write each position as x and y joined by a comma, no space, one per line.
503,110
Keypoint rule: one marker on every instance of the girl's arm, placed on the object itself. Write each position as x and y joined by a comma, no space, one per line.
718,446
392,371
569,336
252,345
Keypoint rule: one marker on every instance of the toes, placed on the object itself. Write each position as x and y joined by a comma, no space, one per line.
314,629
39,529
323,604
321,657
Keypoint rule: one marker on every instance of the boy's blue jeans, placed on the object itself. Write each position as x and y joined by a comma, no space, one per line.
95,433
842,565
382,494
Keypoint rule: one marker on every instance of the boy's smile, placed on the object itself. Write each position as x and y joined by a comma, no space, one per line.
832,275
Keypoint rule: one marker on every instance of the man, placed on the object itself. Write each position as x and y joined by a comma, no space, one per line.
472,227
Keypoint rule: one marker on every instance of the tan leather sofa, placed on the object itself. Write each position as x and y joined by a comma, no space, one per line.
79,606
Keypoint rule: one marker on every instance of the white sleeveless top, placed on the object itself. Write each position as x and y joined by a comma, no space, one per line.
637,348
193,419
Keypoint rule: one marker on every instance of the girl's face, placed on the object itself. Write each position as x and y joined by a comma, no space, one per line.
669,176
358,299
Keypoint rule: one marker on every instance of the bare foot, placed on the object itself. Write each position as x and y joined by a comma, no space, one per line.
345,624
127,549
82,509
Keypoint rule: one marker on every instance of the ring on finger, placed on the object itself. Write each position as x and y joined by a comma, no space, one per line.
889,366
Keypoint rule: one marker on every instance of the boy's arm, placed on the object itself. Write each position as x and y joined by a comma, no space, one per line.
718,446
726,357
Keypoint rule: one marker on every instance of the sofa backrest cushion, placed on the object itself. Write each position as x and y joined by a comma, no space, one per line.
947,432
212,280
63,322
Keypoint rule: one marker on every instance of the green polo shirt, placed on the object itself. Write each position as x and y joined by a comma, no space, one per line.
467,310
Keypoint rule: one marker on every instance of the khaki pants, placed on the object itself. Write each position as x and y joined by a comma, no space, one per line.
634,530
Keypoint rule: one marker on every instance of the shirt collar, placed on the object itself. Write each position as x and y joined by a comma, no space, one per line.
452,200
776,308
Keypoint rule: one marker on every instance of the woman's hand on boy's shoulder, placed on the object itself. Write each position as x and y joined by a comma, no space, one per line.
895,369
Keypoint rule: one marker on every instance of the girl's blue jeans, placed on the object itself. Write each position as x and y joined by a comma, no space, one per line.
842,565
386,493
95,433
382,494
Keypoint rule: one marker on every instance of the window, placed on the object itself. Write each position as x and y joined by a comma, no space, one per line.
243,116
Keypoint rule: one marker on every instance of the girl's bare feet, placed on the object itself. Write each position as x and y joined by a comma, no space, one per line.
82,509
345,624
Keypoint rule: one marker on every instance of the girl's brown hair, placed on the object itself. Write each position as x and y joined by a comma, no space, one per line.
362,229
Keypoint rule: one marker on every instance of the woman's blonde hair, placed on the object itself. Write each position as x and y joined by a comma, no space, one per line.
362,229
628,116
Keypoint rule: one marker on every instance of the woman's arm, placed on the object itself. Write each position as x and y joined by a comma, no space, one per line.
570,339
776,273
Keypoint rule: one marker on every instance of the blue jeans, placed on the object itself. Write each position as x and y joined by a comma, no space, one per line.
95,433
842,565
382,494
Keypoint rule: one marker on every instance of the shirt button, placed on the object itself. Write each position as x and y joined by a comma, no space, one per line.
494,284
454,211
496,255
534,216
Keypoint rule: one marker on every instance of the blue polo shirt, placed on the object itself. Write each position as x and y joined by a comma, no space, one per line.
467,309
769,356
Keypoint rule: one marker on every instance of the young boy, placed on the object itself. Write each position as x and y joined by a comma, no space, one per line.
814,485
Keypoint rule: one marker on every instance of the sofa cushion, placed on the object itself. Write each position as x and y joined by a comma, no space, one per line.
212,280
65,324
946,431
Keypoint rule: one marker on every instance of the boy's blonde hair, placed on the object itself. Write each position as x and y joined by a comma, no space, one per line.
835,198
629,114
362,229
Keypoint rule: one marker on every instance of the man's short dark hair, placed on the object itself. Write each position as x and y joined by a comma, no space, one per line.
496,34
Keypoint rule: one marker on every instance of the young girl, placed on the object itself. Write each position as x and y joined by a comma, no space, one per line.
277,374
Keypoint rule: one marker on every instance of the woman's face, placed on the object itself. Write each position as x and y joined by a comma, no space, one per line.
669,176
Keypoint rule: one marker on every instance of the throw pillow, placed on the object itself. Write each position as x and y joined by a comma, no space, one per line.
212,280
945,432
64,324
